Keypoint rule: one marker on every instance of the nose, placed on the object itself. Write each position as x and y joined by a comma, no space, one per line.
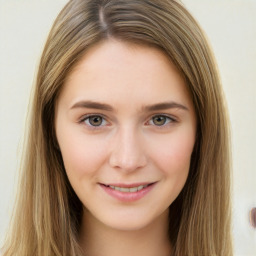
127,151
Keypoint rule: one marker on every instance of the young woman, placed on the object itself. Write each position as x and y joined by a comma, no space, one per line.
128,148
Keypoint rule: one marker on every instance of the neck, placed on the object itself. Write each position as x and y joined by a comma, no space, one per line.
97,239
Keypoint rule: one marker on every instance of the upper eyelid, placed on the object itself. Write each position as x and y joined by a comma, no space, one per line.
164,115
90,115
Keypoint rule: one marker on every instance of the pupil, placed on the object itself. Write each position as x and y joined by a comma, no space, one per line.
95,120
159,120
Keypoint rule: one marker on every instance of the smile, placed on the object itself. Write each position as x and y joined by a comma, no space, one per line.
128,193
132,189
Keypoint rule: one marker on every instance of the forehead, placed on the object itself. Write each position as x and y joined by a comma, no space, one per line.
113,54
112,69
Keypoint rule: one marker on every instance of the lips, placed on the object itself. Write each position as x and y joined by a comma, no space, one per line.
127,192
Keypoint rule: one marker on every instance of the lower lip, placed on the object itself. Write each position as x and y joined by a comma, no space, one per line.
127,196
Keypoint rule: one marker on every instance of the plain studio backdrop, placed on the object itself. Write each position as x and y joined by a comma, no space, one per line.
231,28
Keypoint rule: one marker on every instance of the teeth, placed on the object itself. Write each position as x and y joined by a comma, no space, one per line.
134,189
140,188
124,189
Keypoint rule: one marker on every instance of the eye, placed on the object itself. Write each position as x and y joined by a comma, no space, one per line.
94,120
161,120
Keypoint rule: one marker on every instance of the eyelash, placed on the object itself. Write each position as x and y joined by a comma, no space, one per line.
85,118
167,117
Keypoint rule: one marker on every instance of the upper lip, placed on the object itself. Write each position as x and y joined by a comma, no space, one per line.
127,185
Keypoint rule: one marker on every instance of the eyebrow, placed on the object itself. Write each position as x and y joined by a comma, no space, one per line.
165,105
92,104
106,107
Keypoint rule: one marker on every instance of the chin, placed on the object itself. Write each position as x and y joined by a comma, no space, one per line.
134,221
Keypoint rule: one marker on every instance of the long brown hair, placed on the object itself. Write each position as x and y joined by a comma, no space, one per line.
48,213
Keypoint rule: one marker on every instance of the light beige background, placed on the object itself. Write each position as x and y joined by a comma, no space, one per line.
231,28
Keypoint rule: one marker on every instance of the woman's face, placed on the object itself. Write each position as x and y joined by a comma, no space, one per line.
126,129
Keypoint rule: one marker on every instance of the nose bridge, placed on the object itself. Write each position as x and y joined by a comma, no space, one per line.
128,152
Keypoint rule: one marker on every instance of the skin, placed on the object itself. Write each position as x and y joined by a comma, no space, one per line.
132,142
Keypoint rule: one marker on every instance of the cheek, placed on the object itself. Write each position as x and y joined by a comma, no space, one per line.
81,155
174,154
174,162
